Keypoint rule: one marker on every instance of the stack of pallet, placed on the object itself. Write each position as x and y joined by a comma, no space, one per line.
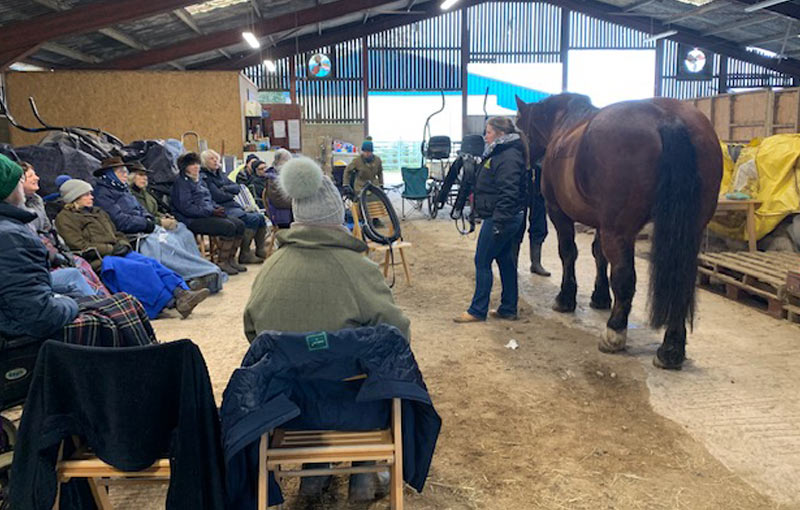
760,275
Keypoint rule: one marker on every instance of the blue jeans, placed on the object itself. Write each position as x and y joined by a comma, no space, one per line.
70,282
503,250
253,221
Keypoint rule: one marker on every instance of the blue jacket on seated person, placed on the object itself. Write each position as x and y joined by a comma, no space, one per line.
191,199
223,191
296,381
28,305
126,212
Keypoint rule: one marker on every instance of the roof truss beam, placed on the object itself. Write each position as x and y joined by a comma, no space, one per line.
225,38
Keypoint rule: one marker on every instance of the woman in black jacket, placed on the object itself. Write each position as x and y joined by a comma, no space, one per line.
500,197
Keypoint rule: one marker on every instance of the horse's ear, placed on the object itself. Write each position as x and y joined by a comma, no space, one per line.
520,103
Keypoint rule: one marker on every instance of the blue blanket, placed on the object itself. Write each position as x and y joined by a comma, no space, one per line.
146,279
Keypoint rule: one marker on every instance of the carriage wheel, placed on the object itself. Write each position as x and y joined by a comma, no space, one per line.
433,210
8,438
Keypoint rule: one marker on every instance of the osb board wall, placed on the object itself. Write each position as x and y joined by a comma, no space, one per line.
315,135
133,105
247,91
744,116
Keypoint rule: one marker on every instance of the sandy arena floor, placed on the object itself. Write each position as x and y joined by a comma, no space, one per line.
556,424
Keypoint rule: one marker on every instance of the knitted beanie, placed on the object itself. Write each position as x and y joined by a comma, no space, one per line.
315,199
74,189
10,173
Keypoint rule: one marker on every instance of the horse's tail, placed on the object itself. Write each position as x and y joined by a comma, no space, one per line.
676,240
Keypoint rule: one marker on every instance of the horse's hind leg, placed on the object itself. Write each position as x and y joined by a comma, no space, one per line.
601,297
568,251
672,352
619,252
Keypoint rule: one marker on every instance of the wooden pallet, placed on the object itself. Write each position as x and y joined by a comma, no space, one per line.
756,274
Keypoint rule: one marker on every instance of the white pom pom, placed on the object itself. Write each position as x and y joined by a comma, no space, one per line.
300,178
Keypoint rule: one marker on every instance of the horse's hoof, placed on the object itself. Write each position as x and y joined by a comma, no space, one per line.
562,308
600,305
666,366
614,341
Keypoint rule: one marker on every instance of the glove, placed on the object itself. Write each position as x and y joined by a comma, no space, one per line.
151,225
219,212
169,223
120,250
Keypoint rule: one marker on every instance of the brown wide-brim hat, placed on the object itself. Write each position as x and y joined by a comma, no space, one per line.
109,163
137,166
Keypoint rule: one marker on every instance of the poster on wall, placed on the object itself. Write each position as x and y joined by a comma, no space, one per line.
279,129
294,134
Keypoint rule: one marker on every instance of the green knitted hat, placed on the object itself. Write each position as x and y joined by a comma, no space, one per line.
10,174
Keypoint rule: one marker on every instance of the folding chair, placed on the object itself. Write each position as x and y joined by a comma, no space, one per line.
415,188
292,447
378,210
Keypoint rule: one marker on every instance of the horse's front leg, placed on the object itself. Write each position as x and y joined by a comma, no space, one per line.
568,251
619,251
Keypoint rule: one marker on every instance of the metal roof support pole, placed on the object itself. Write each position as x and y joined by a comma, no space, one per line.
464,70
365,72
293,79
564,48
722,87
658,89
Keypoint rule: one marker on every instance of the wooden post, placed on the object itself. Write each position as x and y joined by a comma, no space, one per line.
464,70
365,72
564,49
293,79
658,87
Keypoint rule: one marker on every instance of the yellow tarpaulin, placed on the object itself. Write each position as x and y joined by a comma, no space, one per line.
778,189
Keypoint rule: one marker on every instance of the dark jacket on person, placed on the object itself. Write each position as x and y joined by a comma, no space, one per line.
28,305
89,228
223,191
501,185
125,211
296,381
191,199
131,407
148,202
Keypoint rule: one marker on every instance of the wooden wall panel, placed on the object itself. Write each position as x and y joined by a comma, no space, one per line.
133,105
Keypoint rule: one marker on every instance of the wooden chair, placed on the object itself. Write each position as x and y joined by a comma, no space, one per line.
295,447
273,227
378,210
208,246
100,475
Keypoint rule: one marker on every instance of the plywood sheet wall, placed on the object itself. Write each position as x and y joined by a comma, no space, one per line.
133,105
744,116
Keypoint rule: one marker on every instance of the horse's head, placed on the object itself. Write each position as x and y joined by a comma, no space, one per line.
540,121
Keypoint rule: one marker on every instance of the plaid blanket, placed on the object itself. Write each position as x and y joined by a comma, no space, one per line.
118,320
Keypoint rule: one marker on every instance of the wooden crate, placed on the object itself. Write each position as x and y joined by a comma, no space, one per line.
757,274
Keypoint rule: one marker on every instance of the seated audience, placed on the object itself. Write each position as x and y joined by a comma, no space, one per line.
223,193
89,230
71,274
243,173
280,206
193,206
320,280
29,306
174,247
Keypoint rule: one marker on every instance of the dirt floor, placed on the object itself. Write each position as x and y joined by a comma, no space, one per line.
554,424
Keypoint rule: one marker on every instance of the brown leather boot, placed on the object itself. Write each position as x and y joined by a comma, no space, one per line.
227,247
187,300
232,261
245,253
261,243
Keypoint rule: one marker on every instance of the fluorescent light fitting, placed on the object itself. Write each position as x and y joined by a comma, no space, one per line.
448,3
662,35
763,5
270,65
251,39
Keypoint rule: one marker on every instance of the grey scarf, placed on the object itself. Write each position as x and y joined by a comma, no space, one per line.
500,141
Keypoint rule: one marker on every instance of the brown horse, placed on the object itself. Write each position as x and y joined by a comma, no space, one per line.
616,169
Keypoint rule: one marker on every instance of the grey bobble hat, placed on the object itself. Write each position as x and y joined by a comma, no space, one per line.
74,189
315,199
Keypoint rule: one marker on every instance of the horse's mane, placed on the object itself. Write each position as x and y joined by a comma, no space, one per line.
577,108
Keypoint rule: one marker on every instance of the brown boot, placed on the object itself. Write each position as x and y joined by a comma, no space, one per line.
245,253
232,261
261,242
226,248
187,300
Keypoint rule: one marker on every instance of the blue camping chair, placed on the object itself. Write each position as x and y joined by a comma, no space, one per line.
415,188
